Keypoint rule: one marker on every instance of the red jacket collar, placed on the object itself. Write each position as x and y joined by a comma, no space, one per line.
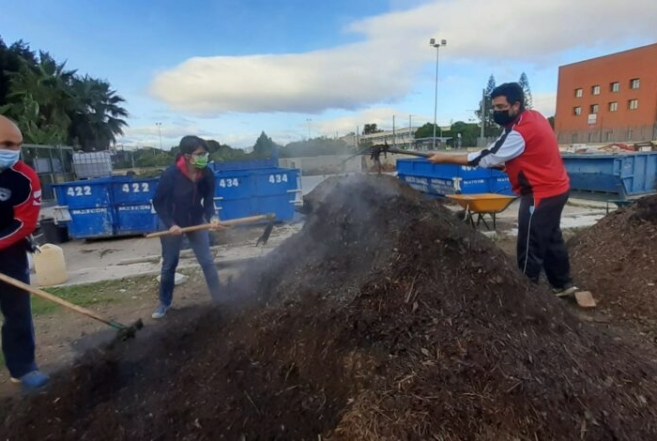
182,166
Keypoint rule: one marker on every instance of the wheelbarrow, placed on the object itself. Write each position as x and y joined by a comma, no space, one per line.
482,204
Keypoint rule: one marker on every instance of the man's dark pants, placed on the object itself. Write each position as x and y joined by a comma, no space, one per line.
17,330
540,242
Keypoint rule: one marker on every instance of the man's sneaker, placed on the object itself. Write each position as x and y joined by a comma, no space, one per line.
32,380
160,312
566,291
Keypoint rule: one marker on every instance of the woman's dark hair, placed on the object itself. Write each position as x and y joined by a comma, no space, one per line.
513,93
189,143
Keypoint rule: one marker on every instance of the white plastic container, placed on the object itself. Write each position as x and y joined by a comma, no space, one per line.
50,266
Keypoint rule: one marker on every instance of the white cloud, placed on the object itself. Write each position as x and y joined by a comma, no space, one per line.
546,103
384,65
170,133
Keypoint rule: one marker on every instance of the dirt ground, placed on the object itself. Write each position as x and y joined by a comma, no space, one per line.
64,335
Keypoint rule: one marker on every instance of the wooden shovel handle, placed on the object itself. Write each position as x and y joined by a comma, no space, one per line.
52,298
228,223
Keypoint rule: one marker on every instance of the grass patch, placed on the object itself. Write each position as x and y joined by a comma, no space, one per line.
100,293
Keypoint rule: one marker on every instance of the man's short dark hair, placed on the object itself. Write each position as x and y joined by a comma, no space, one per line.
512,91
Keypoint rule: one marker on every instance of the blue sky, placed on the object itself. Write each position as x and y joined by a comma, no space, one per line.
228,69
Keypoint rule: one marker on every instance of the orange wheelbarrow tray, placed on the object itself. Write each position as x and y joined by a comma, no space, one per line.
482,204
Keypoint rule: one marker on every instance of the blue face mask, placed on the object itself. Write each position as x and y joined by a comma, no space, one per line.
8,158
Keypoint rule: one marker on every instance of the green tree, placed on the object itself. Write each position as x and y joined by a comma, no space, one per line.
469,133
524,83
264,146
371,128
11,59
53,104
490,128
426,131
97,114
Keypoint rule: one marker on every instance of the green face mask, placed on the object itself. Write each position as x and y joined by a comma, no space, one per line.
201,161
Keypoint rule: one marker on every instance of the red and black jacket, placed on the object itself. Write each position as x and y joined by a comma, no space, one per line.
183,201
20,203
529,150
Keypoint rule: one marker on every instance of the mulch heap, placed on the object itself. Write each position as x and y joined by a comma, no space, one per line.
617,260
385,318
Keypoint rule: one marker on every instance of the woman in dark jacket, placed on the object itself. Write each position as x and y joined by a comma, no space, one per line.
185,197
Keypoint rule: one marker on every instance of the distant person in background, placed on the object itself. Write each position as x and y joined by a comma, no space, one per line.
184,198
529,152
20,202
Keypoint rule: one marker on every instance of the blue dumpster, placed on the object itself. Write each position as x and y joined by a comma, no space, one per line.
242,193
444,179
108,207
620,174
89,206
132,200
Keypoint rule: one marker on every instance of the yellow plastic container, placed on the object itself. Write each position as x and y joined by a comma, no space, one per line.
50,266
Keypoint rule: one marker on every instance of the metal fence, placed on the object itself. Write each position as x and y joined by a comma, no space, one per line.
53,164
608,135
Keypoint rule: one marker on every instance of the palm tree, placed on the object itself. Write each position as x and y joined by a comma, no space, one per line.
97,116
39,99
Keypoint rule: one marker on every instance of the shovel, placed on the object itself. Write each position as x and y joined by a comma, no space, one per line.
124,332
229,223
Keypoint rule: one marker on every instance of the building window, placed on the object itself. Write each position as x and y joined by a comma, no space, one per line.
615,86
578,93
629,134
595,90
634,83
591,135
577,110
633,104
594,108
613,106
574,138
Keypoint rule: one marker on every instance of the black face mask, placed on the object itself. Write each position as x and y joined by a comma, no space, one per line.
502,117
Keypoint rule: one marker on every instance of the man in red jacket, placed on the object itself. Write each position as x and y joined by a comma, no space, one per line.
20,202
529,151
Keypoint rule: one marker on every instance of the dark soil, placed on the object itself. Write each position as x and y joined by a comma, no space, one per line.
386,318
616,260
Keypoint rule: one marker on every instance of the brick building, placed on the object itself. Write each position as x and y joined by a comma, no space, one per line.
609,99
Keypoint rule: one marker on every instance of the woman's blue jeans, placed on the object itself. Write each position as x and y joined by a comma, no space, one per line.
171,245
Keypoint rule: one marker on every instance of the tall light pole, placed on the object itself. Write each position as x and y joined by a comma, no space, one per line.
159,131
433,43
308,122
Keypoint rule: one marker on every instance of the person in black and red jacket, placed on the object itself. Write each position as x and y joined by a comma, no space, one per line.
184,198
20,202
529,152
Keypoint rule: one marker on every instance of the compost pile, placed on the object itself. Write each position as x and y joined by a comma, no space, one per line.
385,318
616,260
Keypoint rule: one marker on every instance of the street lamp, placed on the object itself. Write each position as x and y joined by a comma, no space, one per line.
433,43
159,131
308,122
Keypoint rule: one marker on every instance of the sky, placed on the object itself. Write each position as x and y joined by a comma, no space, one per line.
230,69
